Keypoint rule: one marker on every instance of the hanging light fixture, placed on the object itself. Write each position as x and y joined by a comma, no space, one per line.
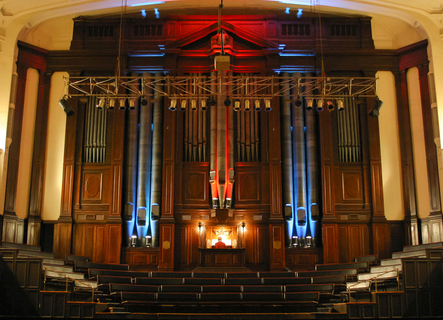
298,102
131,104
247,105
122,104
100,104
183,105
111,104
268,106
376,111
203,104
236,105
194,104
320,105
330,105
227,102
310,104
257,105
340,105
173,105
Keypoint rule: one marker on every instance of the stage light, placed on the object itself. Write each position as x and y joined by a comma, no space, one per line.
194,104
66,108
376,111
131,104
320,105
247,105
203,104
134,241
122,104
268,106
330,105
236,105
257,105
211,102
227,102
144,102
298,102
243,227
310,104
111,104
340,105
173,105
183,105
100,104
200,227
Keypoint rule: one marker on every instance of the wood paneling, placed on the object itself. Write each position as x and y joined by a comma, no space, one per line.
166,247
303,258
142,258
330,243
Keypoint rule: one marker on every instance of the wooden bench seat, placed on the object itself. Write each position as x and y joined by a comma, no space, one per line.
324,273
262,288
113,279
180,288
285,281
222,288
175,274
280,274
138,296
242,275
340,279
361,266
220,297
322,288
214,275
93,273
203,281
243,281
159,281
261,297
177,297
121,287
302,296
85,265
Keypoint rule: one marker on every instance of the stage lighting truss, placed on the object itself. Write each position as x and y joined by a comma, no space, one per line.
236,87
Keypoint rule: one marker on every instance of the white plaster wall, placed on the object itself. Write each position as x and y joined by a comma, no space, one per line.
418,143
390,147
27,144
55,146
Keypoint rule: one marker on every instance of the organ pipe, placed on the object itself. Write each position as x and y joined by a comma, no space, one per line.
213,148
312,165
299,160
230,167
144,161
285,119
221,142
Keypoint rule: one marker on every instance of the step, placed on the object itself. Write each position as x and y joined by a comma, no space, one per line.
381,276
58,268
390,262
410,254
381,269
86,284
20,246
57,262
73,275
423,246
353,286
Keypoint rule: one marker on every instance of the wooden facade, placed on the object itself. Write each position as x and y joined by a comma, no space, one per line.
351,221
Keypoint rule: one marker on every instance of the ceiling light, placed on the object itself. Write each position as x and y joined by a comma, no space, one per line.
173,105
194,104
310,104
203,104
268,105
247,105
122,104
340,105
131,104
111,104
236,105
320,105
330,105
183,105
66,108
376,111
298,102
144,101
257,105
100,103
227,102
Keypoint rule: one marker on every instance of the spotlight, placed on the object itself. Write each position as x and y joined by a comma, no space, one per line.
340,105
173,105
144,102
376,111
194,104
298,102
227,102
203,104
320,105
257,105
211,102
66,108
183,105
122,103
131,104
100,104
330,105
134,240
268,105
310,105
236,105
111,104
247,105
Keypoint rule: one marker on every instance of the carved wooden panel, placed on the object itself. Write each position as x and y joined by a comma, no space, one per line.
62,240
248,187
195,185
277,259
257,245
166,246
113,238
353,241
93,186
187,247
381,240
97,190
352,186
330,244
303,258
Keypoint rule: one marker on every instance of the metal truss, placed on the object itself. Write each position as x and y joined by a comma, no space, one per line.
237,87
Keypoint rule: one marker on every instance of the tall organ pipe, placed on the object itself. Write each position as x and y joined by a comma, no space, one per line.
144,162
285,119
299,167
157,155
221,140
312,166
230,167
213,147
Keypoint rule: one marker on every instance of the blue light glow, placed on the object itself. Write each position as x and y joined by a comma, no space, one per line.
295,54
146,3
287,10
299,13
144,13
157,13
144,55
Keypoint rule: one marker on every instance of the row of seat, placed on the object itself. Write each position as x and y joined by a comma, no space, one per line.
105,279
115,288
